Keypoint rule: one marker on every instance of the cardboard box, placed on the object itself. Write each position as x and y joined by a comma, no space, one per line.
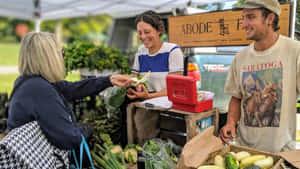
205,146
293,157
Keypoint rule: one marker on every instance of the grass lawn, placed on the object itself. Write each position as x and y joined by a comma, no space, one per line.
9,54
7,81
73,77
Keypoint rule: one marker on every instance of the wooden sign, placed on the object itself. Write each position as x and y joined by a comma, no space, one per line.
221,28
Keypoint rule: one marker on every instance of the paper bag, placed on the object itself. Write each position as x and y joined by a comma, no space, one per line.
197,150
293,157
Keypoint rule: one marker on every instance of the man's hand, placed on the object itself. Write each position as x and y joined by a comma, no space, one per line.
234,114
120,80
227,132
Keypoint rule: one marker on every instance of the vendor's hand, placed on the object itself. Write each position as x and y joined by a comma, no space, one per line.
130,94
227,132
139,88
120,80
142,93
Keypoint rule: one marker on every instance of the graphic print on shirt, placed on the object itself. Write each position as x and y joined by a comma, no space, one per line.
263,92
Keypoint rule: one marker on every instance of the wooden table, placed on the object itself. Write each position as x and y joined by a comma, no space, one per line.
191,120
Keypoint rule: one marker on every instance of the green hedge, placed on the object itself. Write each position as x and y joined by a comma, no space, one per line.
88,55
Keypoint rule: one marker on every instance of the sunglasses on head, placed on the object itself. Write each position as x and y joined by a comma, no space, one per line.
63,53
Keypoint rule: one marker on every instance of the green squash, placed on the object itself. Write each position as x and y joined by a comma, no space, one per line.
230,161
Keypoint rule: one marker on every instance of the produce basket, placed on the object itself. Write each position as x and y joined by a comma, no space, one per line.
203,149
235,148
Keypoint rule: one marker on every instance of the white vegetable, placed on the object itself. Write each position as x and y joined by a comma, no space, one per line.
219,161
265,163
136,82
234,154
145,78
116,149
134,79
210,167
133,153
241,155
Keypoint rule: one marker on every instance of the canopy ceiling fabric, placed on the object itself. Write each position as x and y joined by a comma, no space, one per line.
56,9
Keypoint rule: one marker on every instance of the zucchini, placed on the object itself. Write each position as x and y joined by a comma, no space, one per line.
250,160
230,161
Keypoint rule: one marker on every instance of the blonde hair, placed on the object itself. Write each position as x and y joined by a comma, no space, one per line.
40,54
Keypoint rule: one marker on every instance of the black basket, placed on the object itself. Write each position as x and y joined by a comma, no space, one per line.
141,160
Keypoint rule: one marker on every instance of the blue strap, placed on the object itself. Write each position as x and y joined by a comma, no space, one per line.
87,149
81,153
75,159
84,145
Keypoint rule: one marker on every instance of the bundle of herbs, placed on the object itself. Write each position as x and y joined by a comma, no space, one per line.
161,154
109,156
105,158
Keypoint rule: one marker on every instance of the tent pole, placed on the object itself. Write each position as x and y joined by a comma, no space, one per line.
293,24
37,15
37,24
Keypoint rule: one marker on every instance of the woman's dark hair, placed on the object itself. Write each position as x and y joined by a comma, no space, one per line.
153,19
266,12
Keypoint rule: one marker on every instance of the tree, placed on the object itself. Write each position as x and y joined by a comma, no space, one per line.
83,28
7,28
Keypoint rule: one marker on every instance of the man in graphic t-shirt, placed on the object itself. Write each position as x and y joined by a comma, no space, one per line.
263,81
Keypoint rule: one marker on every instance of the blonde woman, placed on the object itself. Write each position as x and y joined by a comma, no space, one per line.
43,96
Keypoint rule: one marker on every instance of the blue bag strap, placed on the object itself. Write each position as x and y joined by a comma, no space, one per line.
81,153
87,149
75,159
84,145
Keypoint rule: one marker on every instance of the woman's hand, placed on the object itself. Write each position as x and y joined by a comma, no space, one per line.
139,88
120,80
141,92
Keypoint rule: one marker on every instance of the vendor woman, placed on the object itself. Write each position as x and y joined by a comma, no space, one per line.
161,58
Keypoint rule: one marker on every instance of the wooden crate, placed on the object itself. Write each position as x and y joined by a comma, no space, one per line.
178,125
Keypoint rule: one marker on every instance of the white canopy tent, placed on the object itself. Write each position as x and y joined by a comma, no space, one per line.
55,9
